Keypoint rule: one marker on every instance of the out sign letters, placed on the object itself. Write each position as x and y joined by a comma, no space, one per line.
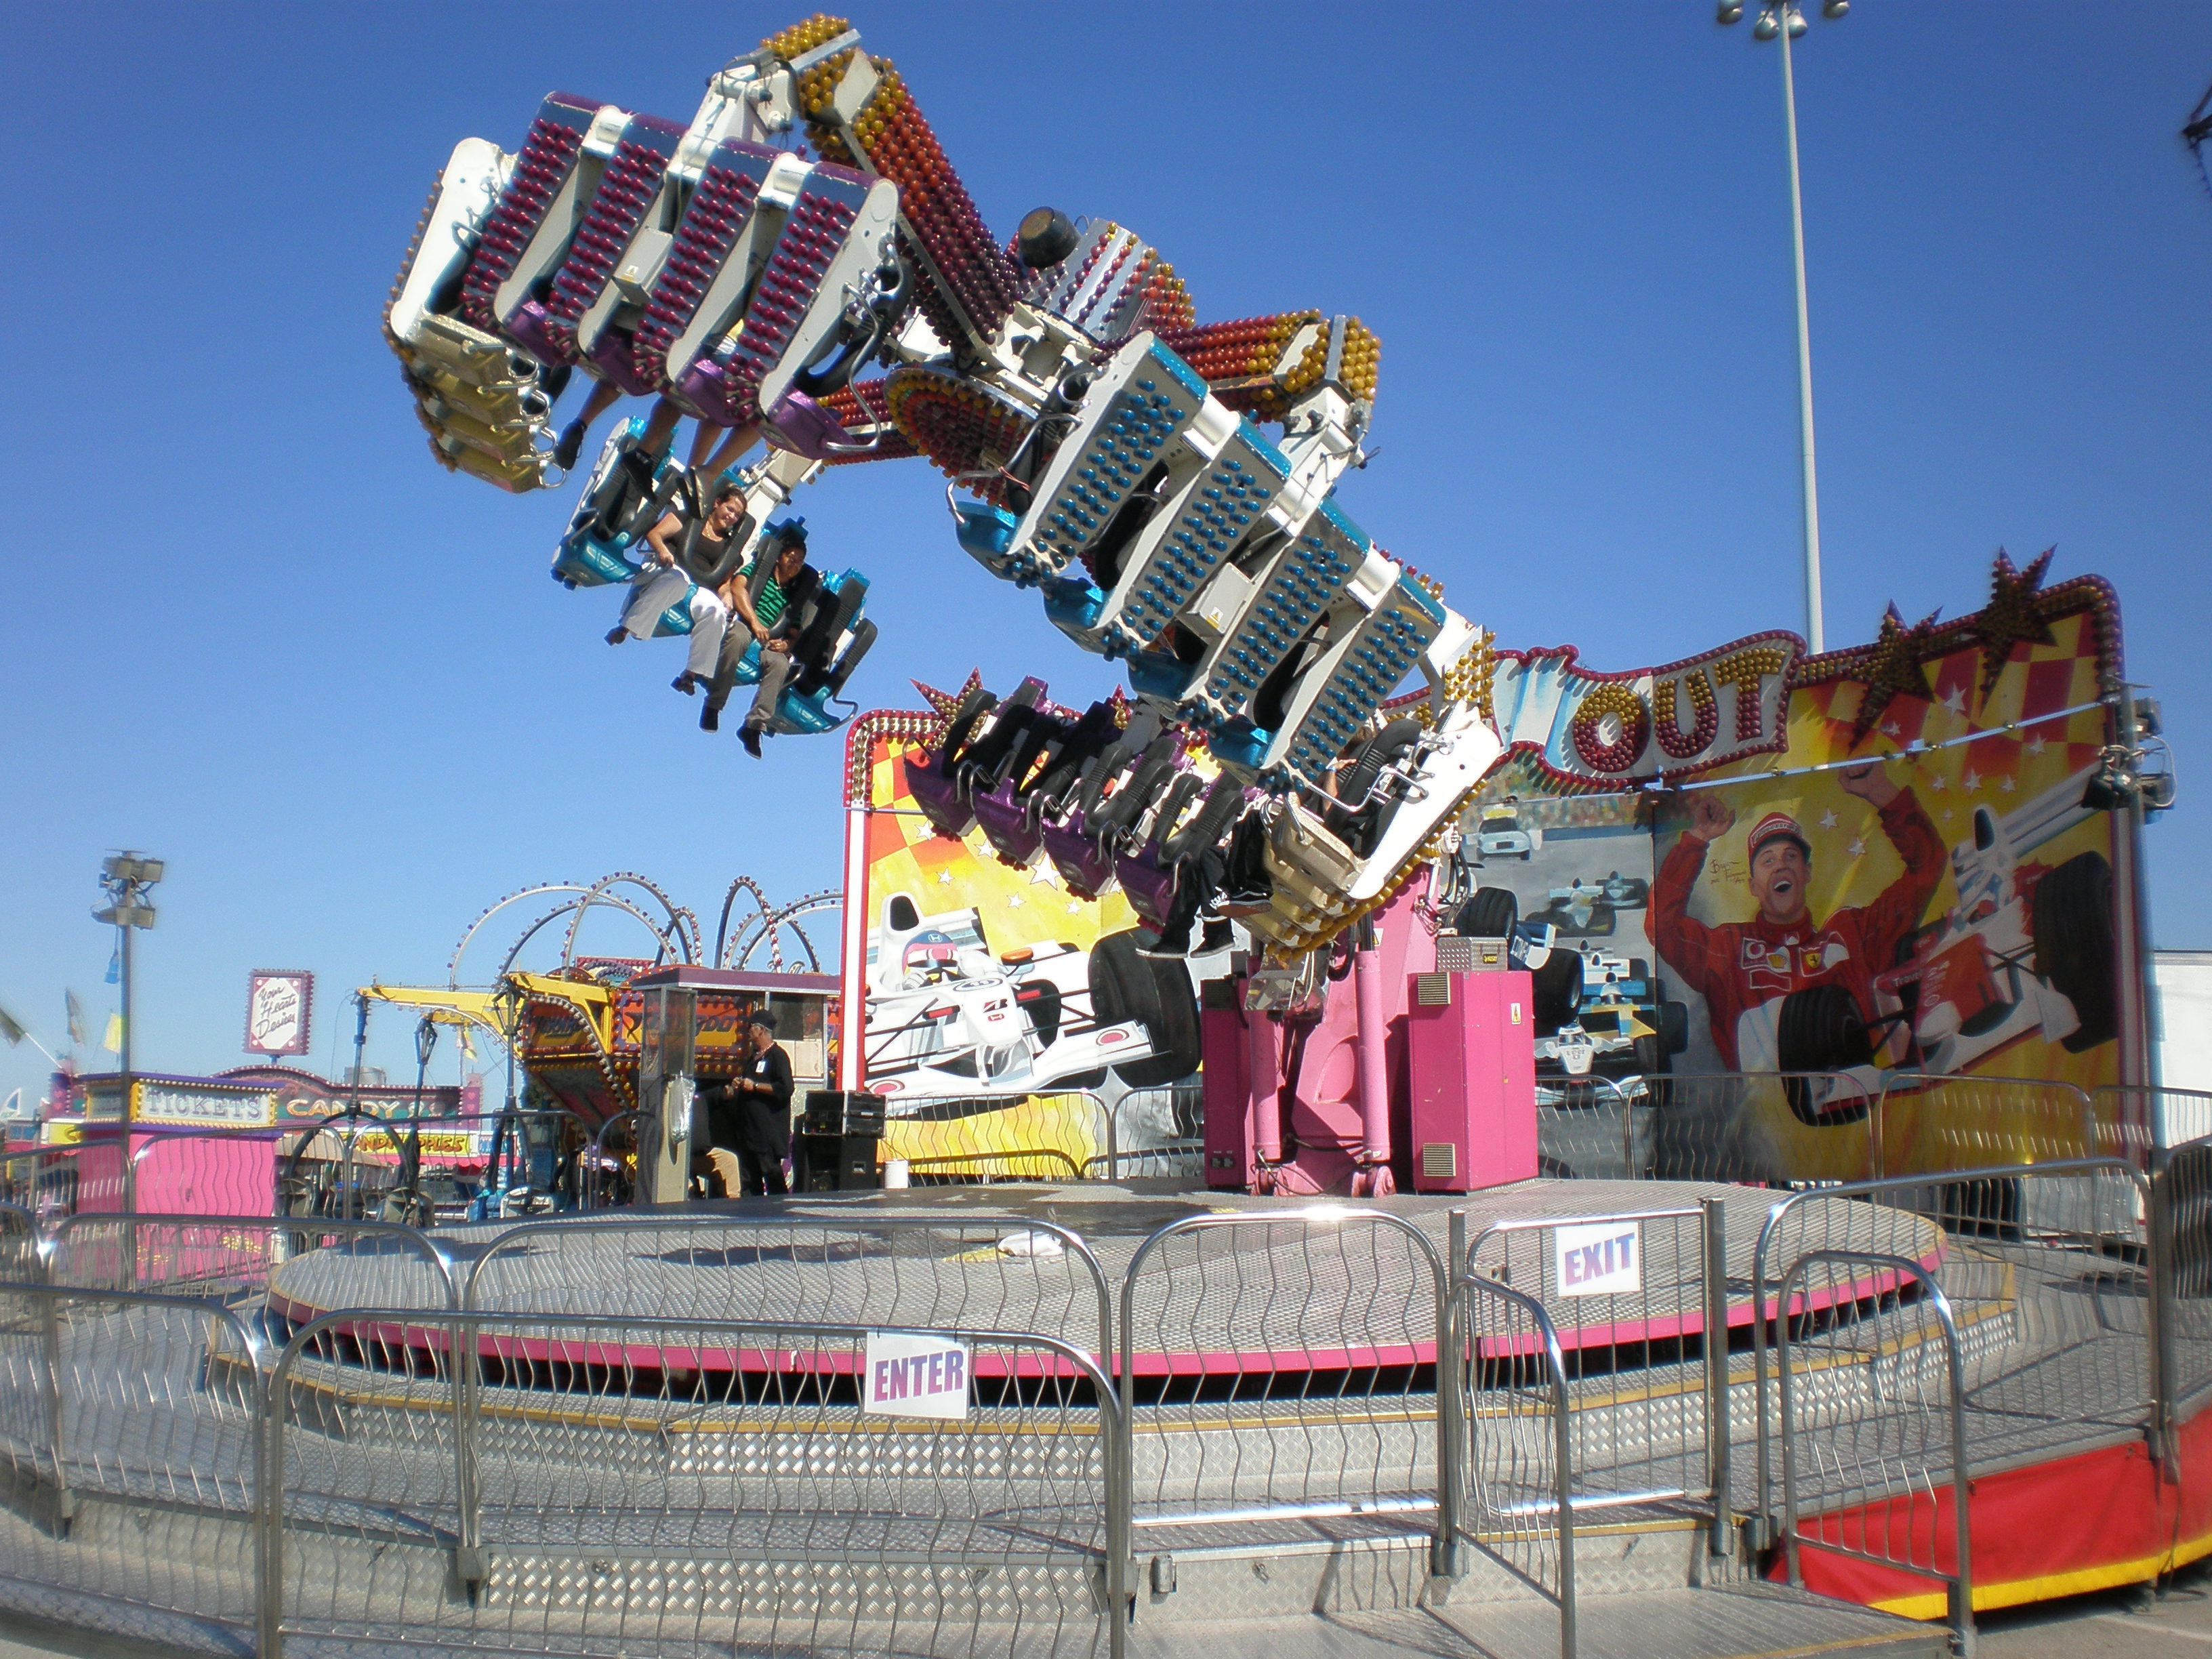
914,1373
1600,1258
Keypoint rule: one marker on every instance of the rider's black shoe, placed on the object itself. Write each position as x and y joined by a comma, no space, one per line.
750,737
710,719
570,446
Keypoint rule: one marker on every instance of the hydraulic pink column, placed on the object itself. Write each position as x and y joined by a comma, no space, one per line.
1372,1178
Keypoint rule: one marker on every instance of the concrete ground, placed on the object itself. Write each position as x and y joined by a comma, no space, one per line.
2125,1624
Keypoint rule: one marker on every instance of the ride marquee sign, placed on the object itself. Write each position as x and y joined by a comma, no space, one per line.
1702,712
279,1012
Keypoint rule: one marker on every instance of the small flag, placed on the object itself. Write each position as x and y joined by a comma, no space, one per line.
10,1028
468,1044
113,1040
76,1019
115,967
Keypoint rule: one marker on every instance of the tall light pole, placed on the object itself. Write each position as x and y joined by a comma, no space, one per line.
127,878
1782,21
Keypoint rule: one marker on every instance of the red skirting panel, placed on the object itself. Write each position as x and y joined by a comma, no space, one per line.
2079,1523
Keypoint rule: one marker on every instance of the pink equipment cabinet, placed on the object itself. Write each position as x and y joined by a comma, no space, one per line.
1471,1044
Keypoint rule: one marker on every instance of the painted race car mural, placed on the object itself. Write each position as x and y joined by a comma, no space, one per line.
990,976
1915,881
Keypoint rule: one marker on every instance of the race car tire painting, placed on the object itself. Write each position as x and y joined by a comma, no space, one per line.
2074,949
1157,995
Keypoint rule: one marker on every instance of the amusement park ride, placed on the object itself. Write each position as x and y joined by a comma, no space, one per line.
1103,447
1168,488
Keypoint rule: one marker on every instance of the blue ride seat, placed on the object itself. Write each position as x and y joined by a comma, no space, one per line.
829,644
614,512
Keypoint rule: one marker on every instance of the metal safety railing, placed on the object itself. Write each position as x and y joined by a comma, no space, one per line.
227,1258
592,1400
1888,1397
132,1436
1510,1457
1251,1349
2057,1273
1752,1127
1638,1300
660,1481
1924,1123
52,1182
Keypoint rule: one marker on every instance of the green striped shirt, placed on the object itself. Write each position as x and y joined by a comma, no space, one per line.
768,604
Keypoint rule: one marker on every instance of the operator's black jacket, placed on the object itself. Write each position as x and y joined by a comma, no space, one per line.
748,1121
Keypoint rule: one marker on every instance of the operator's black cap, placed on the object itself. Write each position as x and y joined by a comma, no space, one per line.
763,1018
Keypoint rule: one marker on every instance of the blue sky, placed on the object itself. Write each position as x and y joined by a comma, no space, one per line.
256,630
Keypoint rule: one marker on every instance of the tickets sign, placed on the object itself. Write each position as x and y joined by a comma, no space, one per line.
915,1374
1598,1258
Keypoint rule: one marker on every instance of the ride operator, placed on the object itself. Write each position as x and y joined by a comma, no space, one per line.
1744,970
762,1091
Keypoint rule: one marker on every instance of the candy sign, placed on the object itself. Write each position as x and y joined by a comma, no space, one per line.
914,1373
1600,1258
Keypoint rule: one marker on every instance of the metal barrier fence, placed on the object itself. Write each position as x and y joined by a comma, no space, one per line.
356,1165
2184,1216
130,1445
648,1481
2056,1274
1893,1432
225,1259
1924,1123
52,1182
204,1172
2142,1123
1752,1128
609,1171
1586,1128
1638,1304
1512,1458
1154,1135
683,1385
1252,1345
980,1273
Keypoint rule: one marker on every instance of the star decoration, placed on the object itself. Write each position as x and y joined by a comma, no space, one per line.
1857,848
1948,815
2011,617
945,878
1971,782
1893,667
2005,786
2035,745
942,704
1892,729
1014,900
1074,909
1828,819
1955,701
1939,782
1046,871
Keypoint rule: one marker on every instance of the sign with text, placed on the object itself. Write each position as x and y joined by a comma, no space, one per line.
201,1105
279,1010
1598,1258
915,1374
